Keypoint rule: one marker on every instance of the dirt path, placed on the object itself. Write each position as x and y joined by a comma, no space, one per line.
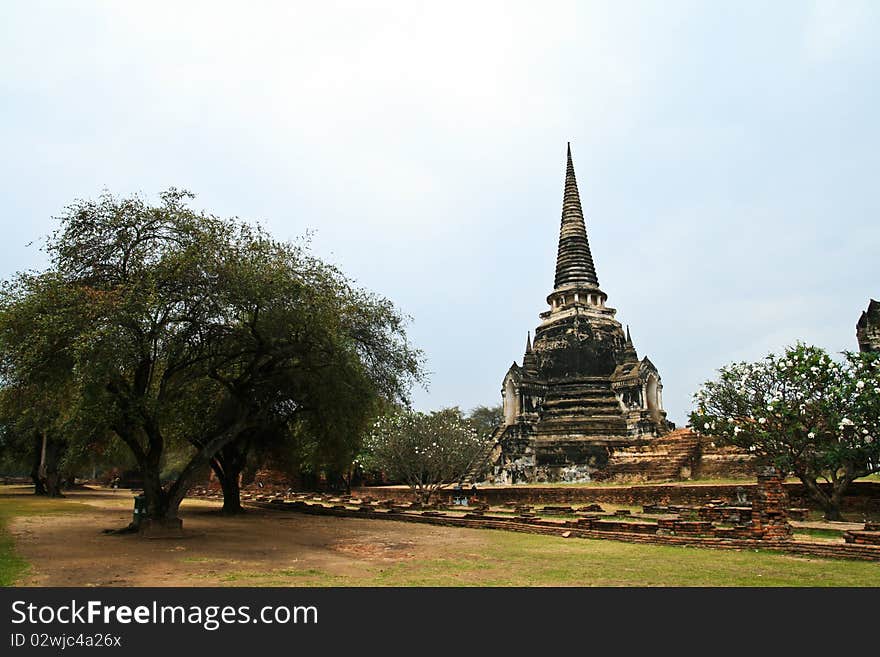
262,547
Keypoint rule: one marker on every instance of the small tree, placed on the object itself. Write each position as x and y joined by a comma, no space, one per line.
802,412
427,451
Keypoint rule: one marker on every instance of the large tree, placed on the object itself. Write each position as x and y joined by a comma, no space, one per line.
186,329
426,451
802,412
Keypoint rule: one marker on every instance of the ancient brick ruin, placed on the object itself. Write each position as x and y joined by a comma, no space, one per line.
582,391
713,525
769,509
868,328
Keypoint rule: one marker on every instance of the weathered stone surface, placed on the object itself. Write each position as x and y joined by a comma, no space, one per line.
861,498
862,537
868,328
557,510
582,390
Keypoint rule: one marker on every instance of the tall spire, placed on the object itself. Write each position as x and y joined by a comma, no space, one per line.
574,262
629,350
530,359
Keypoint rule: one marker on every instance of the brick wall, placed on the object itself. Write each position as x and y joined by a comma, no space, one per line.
861,496
570,529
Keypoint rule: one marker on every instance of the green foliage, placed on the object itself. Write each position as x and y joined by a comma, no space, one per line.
802,412
427,451
176,332
486,418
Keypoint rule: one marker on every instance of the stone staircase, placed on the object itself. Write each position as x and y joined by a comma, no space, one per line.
673,456
591,403
481,461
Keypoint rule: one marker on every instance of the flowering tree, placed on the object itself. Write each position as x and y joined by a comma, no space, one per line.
802,412
427,451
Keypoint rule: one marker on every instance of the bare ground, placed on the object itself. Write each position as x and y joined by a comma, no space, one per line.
261,547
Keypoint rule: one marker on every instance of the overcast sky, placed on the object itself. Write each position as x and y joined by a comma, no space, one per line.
727,156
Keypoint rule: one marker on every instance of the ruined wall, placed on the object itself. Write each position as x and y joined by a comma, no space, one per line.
862,496
578,346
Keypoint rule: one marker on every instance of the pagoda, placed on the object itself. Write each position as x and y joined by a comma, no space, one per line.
582,391
868,328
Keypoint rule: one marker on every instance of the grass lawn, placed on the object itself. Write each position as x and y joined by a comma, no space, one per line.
513,559
818,532
528,560
11,505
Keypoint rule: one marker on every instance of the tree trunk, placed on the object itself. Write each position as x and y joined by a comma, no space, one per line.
155,497
53,484
830,504
162,505
39,487
231,495
228,466
160,513
52,453
837,490
832,512
199,463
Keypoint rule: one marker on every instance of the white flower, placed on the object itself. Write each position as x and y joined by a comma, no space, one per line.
869,439
736,431
811,435
846,422
706,425
860,384
769,407
762,420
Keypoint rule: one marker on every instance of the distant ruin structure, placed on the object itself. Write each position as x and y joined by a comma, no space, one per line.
582,391
868,328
